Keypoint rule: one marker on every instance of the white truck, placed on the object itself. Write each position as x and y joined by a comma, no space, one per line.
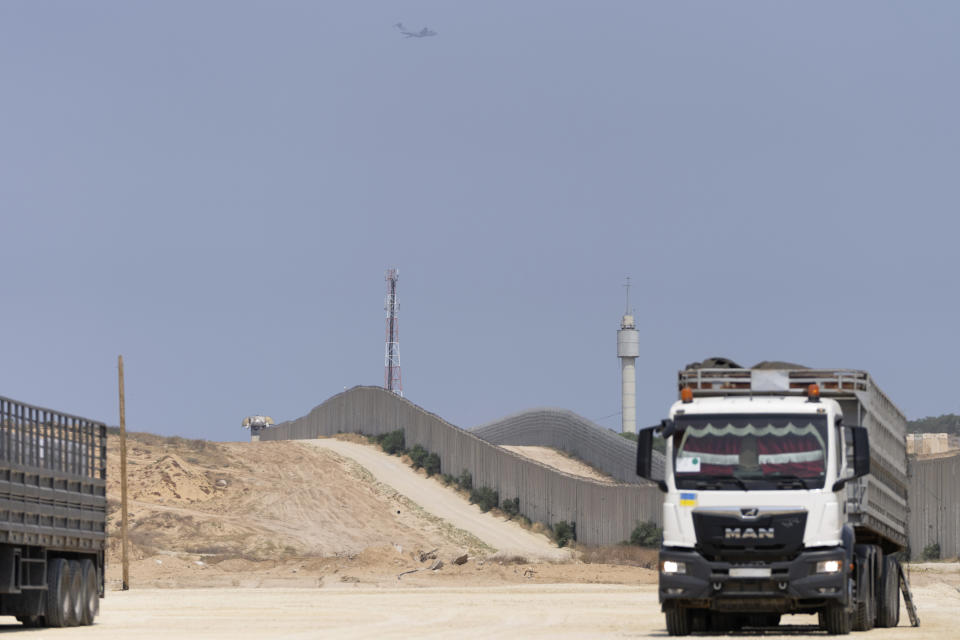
779,501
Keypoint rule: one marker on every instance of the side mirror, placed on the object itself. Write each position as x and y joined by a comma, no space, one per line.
645,456
858,456
861,451
645,453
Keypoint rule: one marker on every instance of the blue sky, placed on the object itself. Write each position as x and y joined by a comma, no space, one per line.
215,189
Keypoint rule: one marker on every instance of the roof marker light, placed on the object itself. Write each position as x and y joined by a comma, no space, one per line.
813,393
686,394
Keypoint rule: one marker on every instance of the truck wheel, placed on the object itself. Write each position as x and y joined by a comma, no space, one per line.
836,620
76,594
59,603
889,597
91,594
864,612
678,621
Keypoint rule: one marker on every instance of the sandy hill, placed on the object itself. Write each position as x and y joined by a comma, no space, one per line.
206,513
561,461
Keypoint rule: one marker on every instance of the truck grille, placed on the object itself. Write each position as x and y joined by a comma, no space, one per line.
729,536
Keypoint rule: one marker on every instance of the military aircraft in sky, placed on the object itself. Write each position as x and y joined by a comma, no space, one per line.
423,33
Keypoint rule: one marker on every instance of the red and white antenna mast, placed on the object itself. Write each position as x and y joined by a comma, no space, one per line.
391,360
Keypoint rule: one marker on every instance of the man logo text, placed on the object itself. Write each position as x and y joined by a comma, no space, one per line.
748,534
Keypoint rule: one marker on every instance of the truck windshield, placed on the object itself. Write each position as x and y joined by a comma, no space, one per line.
745,452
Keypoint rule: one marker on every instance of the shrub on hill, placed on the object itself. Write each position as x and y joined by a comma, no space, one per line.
431,464
511,507
564,533
392,442
417,456
485,498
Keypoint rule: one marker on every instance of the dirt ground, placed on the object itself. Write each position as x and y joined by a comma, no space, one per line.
503,611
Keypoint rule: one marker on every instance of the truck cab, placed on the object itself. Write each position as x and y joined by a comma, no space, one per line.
757,520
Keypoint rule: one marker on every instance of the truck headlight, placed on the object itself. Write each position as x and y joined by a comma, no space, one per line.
672,566
828,566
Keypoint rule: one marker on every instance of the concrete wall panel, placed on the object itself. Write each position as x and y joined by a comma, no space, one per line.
935,505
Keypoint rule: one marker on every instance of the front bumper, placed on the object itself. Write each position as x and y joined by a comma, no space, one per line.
793,585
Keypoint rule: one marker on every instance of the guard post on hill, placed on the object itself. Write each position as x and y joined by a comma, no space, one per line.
256,424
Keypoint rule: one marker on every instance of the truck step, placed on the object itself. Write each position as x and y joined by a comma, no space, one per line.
908,597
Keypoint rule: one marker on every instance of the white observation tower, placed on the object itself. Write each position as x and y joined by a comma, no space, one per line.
628,348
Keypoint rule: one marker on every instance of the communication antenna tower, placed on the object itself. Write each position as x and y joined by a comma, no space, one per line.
391,360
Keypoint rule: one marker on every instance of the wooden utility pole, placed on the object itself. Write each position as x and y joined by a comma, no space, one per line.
123,482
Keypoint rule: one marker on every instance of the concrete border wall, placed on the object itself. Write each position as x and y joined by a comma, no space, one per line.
935,505
562,429
604,513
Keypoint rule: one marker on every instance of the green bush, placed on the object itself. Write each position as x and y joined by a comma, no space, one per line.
511,507
646,534
417,456
485,498
931,551
448,479
392,442
431,464
465,480
564,533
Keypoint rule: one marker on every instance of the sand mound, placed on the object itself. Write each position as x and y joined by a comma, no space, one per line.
560,461
170,478
269,502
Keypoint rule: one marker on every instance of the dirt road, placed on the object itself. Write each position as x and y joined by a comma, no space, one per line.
528,611
508,538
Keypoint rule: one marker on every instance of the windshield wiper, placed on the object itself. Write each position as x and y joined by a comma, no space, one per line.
716,479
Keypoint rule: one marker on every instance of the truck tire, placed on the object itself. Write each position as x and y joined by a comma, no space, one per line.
889,597
90,600
58,606
863,613
75,615
836,620
678,621
865,607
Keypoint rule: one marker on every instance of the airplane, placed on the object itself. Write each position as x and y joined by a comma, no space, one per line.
423,33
